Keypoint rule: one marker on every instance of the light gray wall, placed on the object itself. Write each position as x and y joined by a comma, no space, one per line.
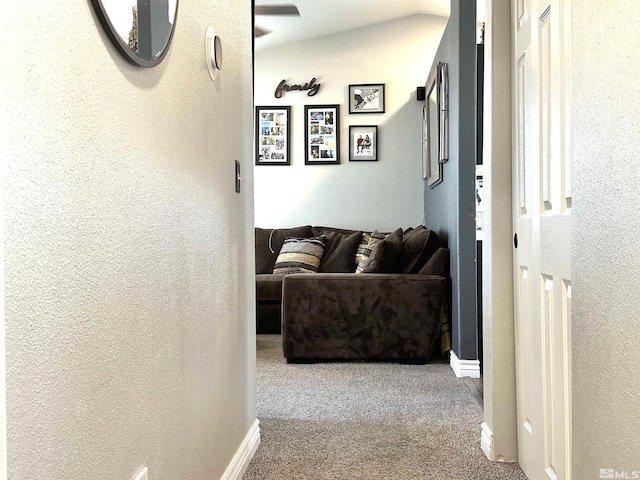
384,195
605,317
129,327
449,208
499,375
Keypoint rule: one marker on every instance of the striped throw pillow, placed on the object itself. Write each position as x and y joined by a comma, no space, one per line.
300,255
365,248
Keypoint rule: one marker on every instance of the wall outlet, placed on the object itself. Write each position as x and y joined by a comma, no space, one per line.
142,475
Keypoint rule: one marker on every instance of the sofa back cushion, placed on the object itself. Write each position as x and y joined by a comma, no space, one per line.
269,242
317,231
418,246
339,252
300,255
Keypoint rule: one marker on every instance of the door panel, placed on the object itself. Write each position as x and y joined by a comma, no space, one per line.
542,216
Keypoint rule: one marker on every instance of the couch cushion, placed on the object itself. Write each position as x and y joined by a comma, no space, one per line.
317,231
384,253
265,256
300,255
438,264
418,246
269,287
339,252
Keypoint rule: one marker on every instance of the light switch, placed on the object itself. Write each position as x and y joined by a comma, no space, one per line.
238,177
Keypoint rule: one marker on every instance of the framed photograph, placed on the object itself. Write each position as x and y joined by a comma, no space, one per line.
366,98
273,135
322,134
363,143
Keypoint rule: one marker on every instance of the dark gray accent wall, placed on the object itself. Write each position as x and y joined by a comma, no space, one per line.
450,206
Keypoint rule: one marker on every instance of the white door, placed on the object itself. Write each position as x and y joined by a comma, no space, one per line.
542,213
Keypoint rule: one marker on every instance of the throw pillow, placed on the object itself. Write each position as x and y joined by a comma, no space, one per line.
384,253
339,252
300,255
418,246
438,264
364,251
269,242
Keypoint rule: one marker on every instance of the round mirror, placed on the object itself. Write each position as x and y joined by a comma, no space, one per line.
140,29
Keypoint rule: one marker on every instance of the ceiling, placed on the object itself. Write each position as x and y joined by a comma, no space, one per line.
325,17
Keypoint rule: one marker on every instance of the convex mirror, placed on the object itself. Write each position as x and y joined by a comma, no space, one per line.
140,29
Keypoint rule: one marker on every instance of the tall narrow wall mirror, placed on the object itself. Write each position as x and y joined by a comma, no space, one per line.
431,157
443,112
435,118
140,29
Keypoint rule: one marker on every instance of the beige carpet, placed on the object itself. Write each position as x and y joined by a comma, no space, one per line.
367,421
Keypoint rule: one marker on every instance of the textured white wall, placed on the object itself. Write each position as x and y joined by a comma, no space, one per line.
370,195
128,259
497,267
605,324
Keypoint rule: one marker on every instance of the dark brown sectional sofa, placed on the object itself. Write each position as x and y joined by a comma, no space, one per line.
397,314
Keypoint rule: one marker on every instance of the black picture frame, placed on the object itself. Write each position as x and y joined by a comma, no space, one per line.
363,143
322,134
366,98
273,135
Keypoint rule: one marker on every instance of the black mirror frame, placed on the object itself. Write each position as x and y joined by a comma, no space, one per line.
123,47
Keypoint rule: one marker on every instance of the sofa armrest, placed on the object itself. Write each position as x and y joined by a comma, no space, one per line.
361,316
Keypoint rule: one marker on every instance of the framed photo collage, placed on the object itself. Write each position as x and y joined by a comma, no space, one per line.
321,130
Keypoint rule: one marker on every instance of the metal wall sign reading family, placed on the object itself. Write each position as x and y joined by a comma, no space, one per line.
311,86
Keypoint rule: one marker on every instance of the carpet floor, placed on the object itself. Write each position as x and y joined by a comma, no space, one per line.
367,421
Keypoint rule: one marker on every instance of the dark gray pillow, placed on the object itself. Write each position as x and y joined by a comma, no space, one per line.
384,253
418,246
265,256
438,264
339,252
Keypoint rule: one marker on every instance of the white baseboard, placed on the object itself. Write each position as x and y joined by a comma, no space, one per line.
245,453
486,441
464,368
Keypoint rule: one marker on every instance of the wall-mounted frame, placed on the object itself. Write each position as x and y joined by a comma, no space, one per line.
363,143
425,134
435,118
366,98
443,110
432,168
322,134
273,135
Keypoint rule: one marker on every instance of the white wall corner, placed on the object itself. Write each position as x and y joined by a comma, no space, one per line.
464,368
245,453
486,442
